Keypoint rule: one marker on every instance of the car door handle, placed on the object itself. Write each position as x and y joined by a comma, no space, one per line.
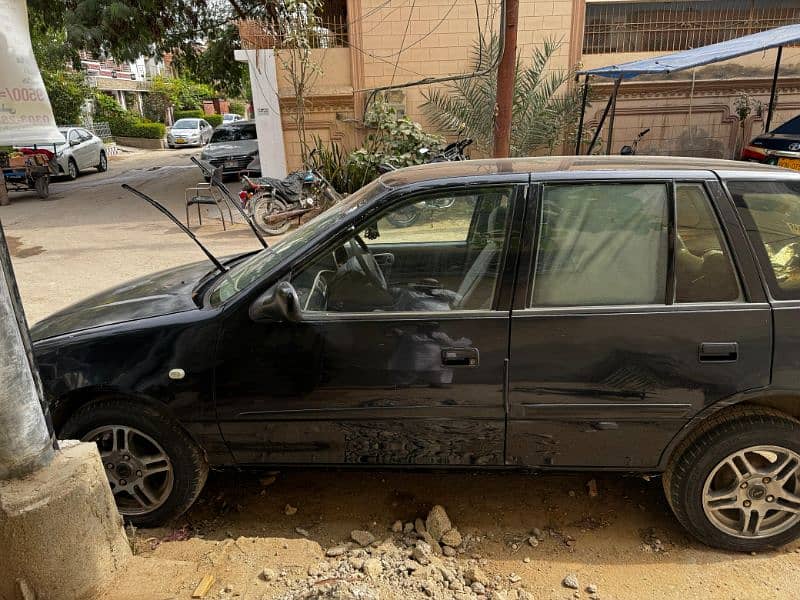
719,352
461,357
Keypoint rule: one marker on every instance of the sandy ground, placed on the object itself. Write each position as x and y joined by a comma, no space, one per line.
92,235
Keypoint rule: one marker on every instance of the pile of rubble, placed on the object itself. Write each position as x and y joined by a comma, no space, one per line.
418,561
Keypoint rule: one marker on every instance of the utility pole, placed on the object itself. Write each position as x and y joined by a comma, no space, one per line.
505,83
26,443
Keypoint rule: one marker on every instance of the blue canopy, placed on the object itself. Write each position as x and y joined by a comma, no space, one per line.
772,38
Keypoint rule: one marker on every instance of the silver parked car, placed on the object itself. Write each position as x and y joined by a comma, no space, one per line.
230,118
81,150
189,132
233,146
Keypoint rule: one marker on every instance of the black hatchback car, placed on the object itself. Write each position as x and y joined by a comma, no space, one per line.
606,313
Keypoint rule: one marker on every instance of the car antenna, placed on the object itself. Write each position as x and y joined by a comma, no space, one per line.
177,222
216,181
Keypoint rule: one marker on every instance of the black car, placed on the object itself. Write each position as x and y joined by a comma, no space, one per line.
608,313
781,146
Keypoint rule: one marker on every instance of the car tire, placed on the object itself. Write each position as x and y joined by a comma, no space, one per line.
734,461
102,166
72,170
177,478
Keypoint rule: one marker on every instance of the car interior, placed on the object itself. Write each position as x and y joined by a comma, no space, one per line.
448,259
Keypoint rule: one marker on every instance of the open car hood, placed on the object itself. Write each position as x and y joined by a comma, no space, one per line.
163,293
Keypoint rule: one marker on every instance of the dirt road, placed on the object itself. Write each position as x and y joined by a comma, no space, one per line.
623,541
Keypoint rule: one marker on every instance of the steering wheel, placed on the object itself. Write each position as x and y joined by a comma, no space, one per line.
367,262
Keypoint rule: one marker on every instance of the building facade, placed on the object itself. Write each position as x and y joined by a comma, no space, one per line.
373,43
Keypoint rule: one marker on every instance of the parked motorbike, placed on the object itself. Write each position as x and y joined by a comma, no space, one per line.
630,150
410,214
273,203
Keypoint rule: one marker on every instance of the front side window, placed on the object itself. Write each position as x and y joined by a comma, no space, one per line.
703,268
602,244
770,211
439,252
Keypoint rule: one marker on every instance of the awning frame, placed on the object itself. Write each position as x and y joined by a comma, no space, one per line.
688,59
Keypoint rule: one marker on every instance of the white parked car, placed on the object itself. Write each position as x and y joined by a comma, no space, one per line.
81,150
230,118
189,132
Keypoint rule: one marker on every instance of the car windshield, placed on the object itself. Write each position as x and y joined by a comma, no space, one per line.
791,127
186,124
256,267
234,134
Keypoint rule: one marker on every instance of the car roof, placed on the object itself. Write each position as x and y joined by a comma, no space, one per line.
553,165
240,123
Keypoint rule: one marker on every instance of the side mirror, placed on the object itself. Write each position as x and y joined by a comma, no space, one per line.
74,142
278,303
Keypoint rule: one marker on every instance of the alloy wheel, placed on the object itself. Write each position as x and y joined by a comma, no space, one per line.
139,470
754,493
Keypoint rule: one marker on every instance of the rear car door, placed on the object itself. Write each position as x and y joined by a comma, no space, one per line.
412,374
632,317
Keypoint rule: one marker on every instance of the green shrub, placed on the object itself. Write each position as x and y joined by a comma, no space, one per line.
214,120
237,108
189,114
124,123
146,129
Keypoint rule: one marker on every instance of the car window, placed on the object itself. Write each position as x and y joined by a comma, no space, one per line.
770,211
703,268
74,136
85,135
234,134
448,257
791,127
186,124
602,244
258,266
443,218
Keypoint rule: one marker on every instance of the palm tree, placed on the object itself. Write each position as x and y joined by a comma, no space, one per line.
545,111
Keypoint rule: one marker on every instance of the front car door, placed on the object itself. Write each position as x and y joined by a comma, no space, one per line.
635,314
403,364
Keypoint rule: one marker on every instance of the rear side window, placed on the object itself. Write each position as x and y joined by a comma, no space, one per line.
703,268
770,211
602,244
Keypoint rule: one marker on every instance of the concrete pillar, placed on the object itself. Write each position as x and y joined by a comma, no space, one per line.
60,533
266,105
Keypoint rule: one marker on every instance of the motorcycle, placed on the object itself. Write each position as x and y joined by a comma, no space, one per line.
630,150
410,214
273,203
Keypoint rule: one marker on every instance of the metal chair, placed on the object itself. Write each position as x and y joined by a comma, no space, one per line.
205,193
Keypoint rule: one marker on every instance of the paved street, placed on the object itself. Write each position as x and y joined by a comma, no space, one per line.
91,234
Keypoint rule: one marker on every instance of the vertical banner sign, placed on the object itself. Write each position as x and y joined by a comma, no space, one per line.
26,117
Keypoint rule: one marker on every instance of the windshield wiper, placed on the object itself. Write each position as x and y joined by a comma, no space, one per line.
177,222
215,176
